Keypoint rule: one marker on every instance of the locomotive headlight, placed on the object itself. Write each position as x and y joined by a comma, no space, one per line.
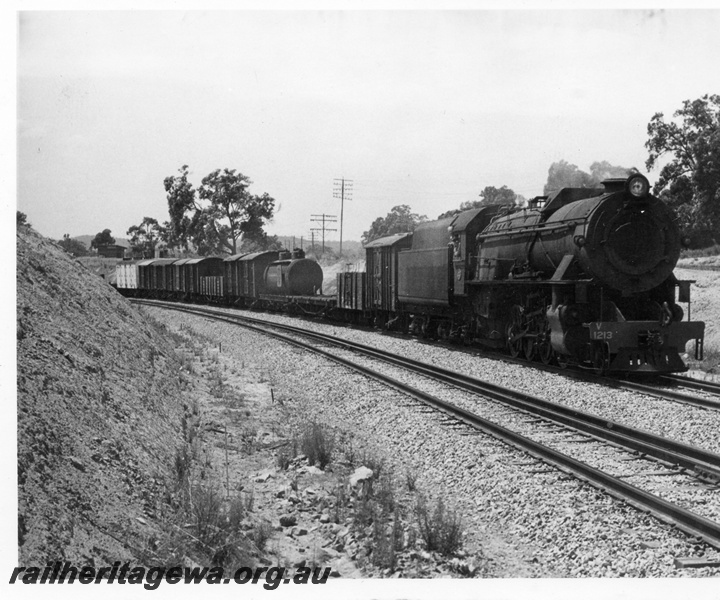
638,186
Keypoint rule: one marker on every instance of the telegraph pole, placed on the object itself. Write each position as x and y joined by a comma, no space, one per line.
343,189
323,218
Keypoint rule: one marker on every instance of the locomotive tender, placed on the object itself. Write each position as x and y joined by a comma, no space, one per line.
582,276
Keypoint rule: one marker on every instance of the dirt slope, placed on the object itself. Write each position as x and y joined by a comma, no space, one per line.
99,413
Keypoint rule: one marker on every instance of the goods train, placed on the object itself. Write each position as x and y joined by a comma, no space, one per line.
580,277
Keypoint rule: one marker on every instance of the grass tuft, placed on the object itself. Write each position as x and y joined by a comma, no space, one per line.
317,443
440,529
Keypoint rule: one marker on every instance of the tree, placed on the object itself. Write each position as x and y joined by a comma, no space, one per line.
144,238
232,210
490,195
257,240
72,247
204,234
181,201
399,220
562,174
102,239
219,216
690,179
22,220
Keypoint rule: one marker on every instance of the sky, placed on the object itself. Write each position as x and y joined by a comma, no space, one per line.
423,108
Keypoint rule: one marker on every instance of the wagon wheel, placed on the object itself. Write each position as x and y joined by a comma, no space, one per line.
529,348
428,329
514,343
601,359
514,346
443,330
544,348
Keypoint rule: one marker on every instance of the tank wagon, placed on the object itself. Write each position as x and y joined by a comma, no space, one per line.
293,275
582,276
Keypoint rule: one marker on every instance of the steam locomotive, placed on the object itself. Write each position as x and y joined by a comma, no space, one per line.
582,276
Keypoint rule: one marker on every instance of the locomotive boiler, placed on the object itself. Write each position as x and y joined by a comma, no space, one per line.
586,276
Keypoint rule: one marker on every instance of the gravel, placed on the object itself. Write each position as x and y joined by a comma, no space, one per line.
692,425
522,517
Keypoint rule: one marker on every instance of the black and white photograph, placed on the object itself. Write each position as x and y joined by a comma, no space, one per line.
361,299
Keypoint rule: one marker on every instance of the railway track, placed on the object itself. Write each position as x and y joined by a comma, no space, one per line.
702,463
709,387
669,392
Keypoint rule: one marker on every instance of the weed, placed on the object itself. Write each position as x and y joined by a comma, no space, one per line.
217,386
187,364
411,538
339,504
317,444
214,533
372,462
284,457
363,512
411,480
183,465
248,436
349,453
385,496
261,534
710,362
387,542
235,513
249,500
440,530
205,509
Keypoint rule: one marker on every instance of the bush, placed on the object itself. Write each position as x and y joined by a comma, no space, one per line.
284,457
387,541
205,510
22,219
441,530
216,528
317,444
261,534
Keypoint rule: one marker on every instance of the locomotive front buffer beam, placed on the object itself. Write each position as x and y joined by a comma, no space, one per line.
637,346
628,346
